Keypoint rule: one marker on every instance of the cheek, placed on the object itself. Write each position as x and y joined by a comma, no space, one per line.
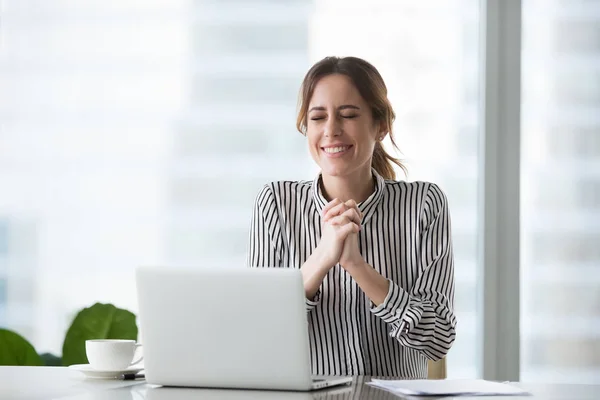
313,142
312,138
367,147
363,136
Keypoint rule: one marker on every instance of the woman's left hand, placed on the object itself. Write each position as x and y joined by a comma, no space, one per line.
350,256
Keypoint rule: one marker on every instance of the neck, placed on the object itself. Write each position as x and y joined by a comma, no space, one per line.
357,186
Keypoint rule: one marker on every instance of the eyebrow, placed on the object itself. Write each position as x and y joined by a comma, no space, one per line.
343,107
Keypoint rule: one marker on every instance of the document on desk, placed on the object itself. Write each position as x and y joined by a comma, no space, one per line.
448,387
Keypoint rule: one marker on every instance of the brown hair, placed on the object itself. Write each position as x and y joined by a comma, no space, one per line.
371,87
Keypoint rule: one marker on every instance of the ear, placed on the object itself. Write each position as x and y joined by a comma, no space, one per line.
382,131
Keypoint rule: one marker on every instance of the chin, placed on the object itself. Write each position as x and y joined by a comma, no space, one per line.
335,170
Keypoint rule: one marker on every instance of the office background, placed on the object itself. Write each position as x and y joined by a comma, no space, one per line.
139,132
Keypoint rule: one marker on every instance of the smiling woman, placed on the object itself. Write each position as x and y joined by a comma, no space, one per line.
362,91
375,253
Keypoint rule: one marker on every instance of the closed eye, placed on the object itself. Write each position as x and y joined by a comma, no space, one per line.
317,118
349,116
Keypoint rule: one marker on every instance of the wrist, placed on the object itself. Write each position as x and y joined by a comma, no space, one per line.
313,272
320,260
355,266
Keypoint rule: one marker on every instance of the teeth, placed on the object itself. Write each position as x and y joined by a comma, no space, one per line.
332,150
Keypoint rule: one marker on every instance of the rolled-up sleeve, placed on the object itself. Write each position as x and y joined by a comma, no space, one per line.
422,318
265,244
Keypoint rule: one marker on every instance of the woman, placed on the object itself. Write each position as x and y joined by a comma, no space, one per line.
375,253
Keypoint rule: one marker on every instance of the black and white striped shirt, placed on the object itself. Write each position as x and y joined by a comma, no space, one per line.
406,237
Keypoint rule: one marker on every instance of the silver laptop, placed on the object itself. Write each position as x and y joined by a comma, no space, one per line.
226,328
181,393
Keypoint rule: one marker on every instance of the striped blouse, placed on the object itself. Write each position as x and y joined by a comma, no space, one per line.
406,237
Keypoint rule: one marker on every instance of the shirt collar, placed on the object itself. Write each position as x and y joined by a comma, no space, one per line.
367,207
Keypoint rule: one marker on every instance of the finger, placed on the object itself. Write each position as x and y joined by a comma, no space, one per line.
352,204
347,229
342,207
340,220
353,215
335,211
329,205
349,216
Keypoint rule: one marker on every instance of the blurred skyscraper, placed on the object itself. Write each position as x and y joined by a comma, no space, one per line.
237,130
87,91
139,133
560,287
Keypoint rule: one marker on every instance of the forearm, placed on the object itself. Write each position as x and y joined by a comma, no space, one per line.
313,273
372,283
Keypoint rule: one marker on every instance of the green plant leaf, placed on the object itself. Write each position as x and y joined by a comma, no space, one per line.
100,321
50,360
16,350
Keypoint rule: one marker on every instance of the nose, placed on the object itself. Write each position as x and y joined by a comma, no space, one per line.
332,128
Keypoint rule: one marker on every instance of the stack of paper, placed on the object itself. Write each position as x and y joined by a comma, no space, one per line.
448,387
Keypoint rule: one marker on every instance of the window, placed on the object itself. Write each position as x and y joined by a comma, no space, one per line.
560,230
157,122
3,271
139,133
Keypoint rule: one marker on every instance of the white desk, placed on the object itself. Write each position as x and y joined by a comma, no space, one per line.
51,383
62,383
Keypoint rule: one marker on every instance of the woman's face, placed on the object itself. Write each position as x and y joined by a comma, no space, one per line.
340,128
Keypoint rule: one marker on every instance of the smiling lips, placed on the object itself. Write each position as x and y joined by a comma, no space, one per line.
336,150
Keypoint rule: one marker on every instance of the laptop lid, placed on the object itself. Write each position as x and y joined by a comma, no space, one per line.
228,328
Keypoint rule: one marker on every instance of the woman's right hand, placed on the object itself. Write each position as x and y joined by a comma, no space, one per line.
338,221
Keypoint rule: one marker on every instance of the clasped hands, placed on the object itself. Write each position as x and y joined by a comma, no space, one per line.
341,222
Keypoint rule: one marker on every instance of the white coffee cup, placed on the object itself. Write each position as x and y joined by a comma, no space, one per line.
111,354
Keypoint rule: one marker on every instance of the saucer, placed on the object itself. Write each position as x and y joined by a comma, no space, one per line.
104,374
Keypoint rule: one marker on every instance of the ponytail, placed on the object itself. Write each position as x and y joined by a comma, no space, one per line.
383,163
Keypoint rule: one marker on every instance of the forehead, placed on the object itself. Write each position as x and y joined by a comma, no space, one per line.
335,90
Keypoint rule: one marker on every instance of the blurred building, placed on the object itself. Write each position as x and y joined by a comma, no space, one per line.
3,271
140,132
18,275
88,89
237,130
560,311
